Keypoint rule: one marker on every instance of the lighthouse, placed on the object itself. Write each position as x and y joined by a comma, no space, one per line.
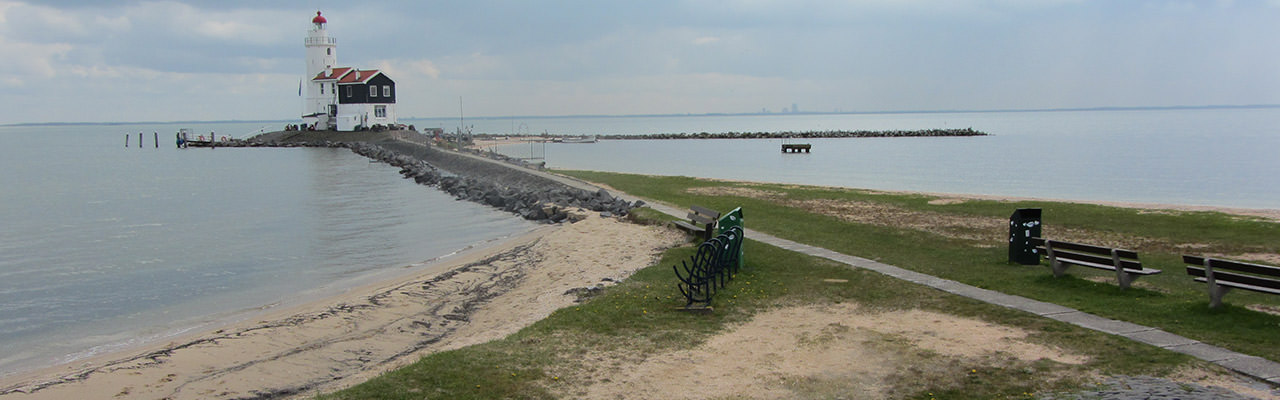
342,98
322,55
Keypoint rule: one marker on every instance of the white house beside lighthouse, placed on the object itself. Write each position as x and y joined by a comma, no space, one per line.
342,98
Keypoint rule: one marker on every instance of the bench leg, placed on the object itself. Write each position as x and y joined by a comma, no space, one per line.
1058,267
1124,278
1215,294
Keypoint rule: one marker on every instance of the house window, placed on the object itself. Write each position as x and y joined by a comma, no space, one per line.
373,91
321,88
333,87
386,90
380,111
348,91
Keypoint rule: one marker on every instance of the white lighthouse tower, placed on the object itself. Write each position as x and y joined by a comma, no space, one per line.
343,98
322,56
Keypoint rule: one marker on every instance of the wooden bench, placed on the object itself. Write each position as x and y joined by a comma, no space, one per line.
1061,255
702,222
1224,275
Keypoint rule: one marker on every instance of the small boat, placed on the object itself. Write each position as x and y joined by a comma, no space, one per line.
186,138
583,139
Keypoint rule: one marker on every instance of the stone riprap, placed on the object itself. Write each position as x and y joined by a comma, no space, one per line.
503,187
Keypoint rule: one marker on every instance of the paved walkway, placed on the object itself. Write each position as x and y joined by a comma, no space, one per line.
1256,367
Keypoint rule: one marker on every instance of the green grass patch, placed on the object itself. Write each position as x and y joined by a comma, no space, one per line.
1169,301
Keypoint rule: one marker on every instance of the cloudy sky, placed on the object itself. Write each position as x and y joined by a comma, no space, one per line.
78,61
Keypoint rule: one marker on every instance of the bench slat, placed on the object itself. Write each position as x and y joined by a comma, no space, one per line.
705,211
1220,264
1242,286
1103,261
701,219
1109,267
1088,248
1224,278
689,227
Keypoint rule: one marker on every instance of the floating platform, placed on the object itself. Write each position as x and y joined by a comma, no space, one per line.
796,148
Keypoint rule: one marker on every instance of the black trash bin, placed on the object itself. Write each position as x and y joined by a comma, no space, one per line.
1023,225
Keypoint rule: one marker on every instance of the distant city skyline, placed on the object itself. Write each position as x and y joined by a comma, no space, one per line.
88,61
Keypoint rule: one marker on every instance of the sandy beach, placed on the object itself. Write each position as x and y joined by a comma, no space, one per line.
333,343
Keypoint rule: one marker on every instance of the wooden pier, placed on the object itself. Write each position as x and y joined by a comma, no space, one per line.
796,148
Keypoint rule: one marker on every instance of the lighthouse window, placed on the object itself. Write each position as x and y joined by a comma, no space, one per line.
373,91
386,90
328,51
321,88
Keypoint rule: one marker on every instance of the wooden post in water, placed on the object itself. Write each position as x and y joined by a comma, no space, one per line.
155,137
139,140
126,140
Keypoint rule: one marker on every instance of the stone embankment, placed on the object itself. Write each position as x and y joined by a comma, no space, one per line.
467,178
806,134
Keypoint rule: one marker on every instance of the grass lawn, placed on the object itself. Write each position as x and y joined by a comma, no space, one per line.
639,317
976,254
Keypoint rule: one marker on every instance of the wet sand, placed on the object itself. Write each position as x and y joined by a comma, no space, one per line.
336,342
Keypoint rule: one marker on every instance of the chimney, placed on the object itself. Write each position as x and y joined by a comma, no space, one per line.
357,75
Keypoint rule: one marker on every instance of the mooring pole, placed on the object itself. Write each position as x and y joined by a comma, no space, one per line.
139,140
126,140
155,137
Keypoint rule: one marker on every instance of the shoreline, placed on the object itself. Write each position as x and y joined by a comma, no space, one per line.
1270,214
1264,213
473,297
275,311
183,328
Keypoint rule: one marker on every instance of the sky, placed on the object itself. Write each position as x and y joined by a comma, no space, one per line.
121,61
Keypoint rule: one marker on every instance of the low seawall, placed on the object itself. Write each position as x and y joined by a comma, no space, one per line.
470,178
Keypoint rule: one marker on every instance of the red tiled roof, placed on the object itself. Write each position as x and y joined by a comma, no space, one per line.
358,76
347,75
335,74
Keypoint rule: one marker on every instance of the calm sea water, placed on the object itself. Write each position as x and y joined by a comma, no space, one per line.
1217,157
104,247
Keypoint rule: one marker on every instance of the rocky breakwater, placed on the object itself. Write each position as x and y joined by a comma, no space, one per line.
509,189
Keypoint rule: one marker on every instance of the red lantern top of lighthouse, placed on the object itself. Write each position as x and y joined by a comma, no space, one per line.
319,19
